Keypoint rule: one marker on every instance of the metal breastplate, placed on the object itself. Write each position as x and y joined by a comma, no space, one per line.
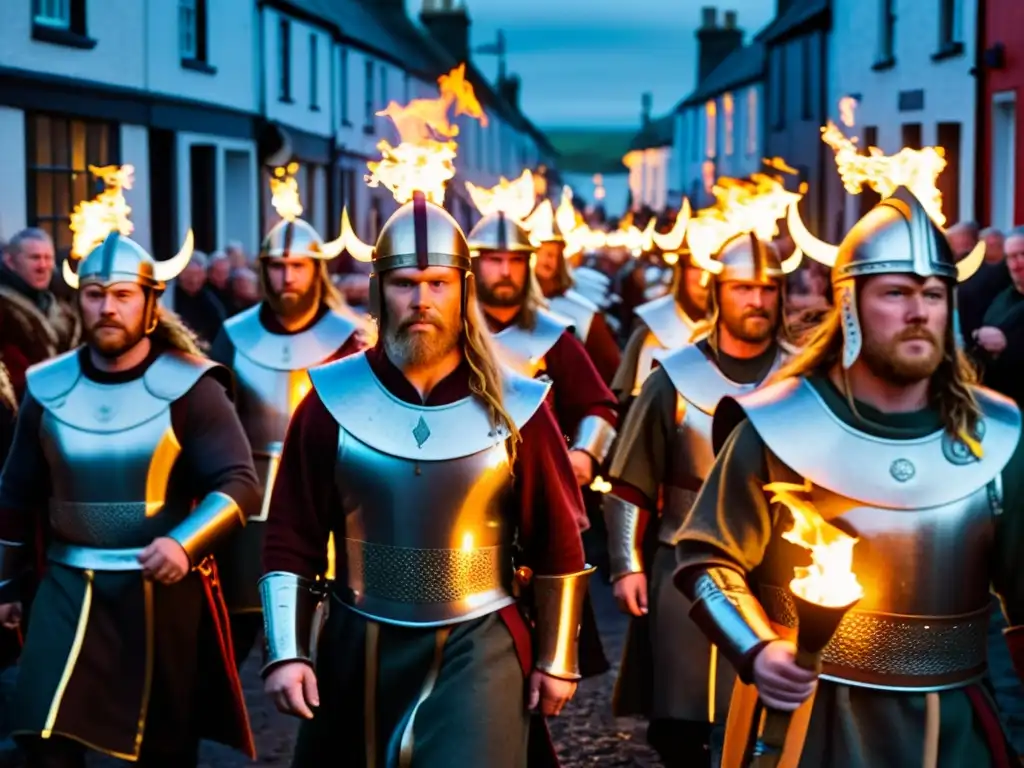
523,350
424,492
576,308
669,329
271,380
111,449
700,385
923,511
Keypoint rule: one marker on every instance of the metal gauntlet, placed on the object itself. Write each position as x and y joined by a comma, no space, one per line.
625,523
289,605
558,602
731,617
594,436
210,522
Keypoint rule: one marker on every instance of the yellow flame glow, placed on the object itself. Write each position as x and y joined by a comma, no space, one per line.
513,198
915,169
847,109
424,159
830,580
285,192
565,214
600,485
93,220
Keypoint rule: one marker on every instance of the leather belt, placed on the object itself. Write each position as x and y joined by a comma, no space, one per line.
94,558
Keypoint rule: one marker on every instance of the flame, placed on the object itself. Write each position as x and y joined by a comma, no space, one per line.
600,485
565,214
285,191
830,580
847,108
93,220
915,169
513,198
424,159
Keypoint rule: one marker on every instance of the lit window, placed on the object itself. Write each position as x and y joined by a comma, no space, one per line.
728,109
710,128
752,121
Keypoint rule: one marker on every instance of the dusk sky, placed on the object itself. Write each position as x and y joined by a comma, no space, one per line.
586,62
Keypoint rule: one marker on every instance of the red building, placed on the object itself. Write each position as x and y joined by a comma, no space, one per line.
1000,130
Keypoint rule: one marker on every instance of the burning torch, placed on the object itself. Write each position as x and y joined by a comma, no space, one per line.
822,594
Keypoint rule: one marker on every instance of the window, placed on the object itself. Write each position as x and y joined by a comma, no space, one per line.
314,72
52,13
728,109
868,198
806,72
887,34
368,104
778,88
949,28
910,134
59,152
284,53
752,121
383,86
695,118
343,77
192,30
710,128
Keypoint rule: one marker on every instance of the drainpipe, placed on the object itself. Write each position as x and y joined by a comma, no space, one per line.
982,129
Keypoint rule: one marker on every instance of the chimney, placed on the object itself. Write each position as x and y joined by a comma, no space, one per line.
646,102
448,23
715,43
509,89
781,6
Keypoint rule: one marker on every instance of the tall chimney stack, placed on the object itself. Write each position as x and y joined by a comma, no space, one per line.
448,22
715,43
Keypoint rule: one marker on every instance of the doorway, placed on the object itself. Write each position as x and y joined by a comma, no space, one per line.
1003,162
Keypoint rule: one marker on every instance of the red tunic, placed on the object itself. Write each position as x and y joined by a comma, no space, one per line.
603,349
305,506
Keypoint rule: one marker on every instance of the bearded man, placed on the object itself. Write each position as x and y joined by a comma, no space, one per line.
302,322
665,324
428,461
670,673
875,431
132,444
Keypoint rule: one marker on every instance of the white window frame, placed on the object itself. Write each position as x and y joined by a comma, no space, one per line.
52,13
188,29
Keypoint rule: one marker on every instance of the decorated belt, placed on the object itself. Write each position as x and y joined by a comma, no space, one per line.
894,652
94,558
425,587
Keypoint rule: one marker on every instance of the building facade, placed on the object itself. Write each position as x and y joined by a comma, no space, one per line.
908,66
1000,132
204,98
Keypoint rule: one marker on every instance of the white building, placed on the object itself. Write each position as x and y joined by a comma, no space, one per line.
908,64
718,128
649,160
203,97
151,83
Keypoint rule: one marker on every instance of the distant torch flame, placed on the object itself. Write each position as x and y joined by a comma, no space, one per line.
600,485
847,108
513,198
424,159
829,581
565,214
93,220
285,191
915,169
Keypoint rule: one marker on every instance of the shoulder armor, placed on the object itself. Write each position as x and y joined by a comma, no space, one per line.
666,321
287,352
365,409
521,344
174,373
800,429
51,380
578,309
698,380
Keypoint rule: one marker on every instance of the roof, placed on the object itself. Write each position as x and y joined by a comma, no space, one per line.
800,15
657,133
741,67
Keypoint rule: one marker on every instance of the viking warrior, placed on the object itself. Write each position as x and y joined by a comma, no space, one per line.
132,444
302,321
664,453
557,282
450,494
535,341
874,436
664,324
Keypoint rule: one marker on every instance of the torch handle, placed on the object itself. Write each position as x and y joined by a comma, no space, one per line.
776,722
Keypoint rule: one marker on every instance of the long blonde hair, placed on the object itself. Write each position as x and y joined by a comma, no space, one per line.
485,373
950,390
175,334
7,396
